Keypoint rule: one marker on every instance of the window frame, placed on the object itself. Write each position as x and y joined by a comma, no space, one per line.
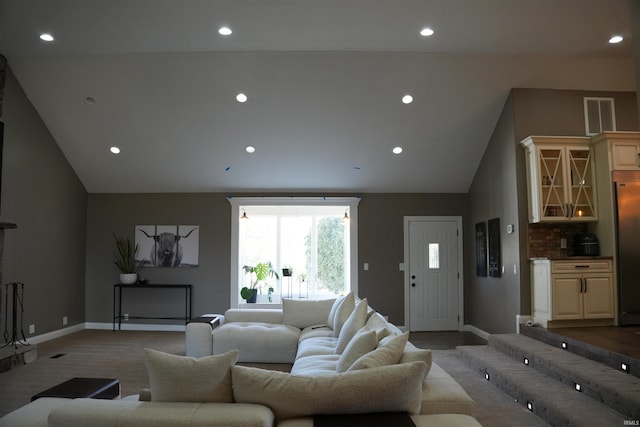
237,202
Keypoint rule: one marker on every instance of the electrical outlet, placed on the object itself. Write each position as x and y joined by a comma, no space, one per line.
126,317
65,320
563,243
32,329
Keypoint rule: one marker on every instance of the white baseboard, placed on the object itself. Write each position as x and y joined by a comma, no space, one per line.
520,319
37,339
136,327
476,331
56,334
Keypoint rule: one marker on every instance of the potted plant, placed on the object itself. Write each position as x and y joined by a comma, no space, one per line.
125,260
287,271
262,271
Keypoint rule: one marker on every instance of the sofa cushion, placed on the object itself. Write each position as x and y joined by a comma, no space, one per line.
342,312
319,365
257,342
362,343
33,414
354,323
388,352
175,378
316,332
302,314
98,412
316,346
389,388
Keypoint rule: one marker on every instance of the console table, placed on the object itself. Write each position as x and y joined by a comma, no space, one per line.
117,302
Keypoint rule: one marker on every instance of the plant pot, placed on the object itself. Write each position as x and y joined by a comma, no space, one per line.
252,299
287,272
128,279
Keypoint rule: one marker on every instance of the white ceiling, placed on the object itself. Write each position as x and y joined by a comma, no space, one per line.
324,80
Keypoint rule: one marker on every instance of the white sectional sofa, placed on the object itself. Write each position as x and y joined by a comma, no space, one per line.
324,338
346,360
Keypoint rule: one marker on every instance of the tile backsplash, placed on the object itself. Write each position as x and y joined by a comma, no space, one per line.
544,239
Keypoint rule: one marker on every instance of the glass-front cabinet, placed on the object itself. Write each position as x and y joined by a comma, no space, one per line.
560,179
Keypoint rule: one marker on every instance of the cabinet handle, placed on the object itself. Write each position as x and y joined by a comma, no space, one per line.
581,285
585,285
582,266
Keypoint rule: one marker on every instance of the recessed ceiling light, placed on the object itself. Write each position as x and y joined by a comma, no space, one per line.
115,150
616,39
407,99
241,97
90,100
397,150
426,32
225,31
46,37
250,149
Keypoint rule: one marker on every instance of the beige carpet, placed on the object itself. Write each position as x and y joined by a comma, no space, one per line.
108,354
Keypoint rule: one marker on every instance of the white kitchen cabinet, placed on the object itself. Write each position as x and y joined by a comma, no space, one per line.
560,179
572,292
623,149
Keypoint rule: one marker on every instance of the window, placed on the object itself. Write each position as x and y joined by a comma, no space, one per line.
310,237
434,256
599,115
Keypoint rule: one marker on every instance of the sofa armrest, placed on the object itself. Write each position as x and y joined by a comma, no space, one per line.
263,315
198,340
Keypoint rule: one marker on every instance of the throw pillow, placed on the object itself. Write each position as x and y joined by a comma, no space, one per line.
175,378
417,354
388,352
332,313
396,388
362,343
342,312
302,314
354,323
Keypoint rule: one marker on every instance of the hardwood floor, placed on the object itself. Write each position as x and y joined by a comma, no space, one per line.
624,339
444,340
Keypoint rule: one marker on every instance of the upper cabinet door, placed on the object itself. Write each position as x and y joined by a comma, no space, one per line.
625,155
620,149
581,185
560,179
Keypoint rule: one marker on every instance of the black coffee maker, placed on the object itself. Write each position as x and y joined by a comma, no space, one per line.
586,244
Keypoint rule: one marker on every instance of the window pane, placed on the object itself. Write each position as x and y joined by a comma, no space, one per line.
434,255
330,255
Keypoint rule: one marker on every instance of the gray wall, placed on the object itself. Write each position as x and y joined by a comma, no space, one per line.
499,190
44,197
491,303
380,244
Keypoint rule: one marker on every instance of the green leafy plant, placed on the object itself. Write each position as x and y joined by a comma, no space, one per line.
125,256
262,271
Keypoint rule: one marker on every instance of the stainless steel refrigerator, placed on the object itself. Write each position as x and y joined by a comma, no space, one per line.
627,193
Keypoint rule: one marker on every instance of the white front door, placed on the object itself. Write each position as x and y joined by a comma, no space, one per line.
433,273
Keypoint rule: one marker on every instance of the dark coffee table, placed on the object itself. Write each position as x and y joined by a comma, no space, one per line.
94,388
212,319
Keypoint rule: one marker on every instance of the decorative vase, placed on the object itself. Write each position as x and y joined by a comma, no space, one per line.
128,279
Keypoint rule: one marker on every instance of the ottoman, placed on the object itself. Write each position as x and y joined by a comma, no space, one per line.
257,342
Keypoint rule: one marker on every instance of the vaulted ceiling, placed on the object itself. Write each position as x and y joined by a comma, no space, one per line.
324,80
